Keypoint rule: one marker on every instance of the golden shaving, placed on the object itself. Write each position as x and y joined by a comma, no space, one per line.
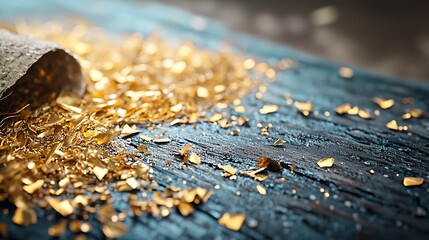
233,221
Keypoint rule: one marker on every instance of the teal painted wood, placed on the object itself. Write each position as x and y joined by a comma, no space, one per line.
379,205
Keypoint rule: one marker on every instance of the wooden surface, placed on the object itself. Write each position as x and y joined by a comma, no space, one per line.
361,205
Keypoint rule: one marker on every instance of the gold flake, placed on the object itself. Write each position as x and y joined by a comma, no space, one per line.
24,216
240,109
384,103
70,108
233,221
235,132
114,229
146,138
162,140
185,150
176,108
34,186
268,108
393,125
261,189
132,182
100,172
414,112
343,109
412,181
269,164
304,107
57,230
195,159
127,131
62,207
228,168
215,117
364,114
279,142
326,162
80,226
345,72
104,138
202,92
185,208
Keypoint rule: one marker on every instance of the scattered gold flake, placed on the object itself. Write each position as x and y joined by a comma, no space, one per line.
384,103
279,142
269,108
195,159
269,164
127,131
326,162
24,216
34,186
261,189
63,207
345,72
304,107
74,141
413,113
114,229
57,230
348,109
412,181
100,172
233,221
393,125
162,140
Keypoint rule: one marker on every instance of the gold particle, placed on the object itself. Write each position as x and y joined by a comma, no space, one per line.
261,189
412,181
233,221
269,108
326,162
345,72
195,159
279,142
384,103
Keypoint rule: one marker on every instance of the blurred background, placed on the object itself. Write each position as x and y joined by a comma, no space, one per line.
388,37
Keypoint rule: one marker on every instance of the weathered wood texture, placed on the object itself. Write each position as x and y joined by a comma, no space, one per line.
366,206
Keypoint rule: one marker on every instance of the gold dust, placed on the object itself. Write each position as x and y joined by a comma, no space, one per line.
346,108
412,181
326,162
384,103
233,221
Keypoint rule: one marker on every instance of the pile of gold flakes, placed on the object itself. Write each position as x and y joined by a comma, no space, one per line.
65,155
